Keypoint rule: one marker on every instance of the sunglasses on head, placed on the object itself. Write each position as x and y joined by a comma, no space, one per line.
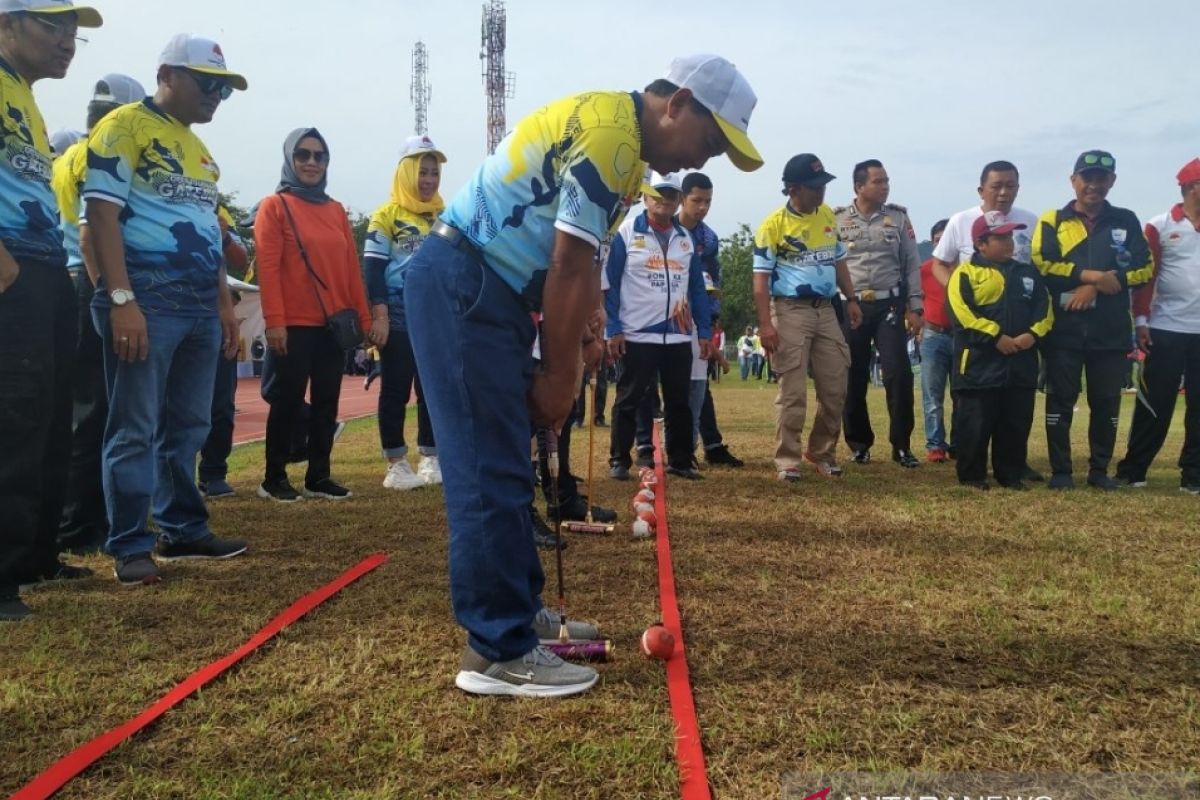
212,84
1091,159
304,155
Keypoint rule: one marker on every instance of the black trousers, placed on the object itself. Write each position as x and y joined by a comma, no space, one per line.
1104,371
710,434
1001,418
891,342
314,358
585,396
84,523
397,378
214,455
38,324
645,365
1173,356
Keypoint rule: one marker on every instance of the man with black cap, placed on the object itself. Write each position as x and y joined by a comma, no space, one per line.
799,265
881,253
1091,254
1167,319
84,524
37,303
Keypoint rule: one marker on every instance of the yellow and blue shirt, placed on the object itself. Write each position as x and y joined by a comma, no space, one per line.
393,235
574,165
165,181
28,211
800,252
67,177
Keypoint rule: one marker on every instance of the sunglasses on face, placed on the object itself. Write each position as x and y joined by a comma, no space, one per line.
58,30
211,84
1091,159
304,155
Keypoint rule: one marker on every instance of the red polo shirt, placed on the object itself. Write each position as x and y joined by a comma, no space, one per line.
935,297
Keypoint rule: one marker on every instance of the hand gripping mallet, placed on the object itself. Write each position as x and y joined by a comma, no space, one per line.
589,525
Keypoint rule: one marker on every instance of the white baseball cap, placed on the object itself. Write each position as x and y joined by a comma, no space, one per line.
653,181
86,16
63,138
718,86
420,146
117,89
199,55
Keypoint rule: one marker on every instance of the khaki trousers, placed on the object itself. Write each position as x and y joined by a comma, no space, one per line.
808,335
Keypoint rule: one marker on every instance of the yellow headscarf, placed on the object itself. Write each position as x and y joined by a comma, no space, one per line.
404,185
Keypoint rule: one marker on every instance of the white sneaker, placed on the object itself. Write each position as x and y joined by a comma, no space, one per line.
429,470
400,476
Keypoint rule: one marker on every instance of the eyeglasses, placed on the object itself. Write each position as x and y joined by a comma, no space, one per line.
211,84
1092,159
58,30
304,155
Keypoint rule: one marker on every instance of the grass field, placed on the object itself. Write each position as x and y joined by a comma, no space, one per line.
886,621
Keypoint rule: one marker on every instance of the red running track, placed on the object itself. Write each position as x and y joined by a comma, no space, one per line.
250,418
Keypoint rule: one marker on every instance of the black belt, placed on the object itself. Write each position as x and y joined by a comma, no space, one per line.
815,302
455,237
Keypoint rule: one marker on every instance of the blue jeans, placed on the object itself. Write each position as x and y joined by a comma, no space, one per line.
696,392
159,412
937,355
214,454
473,340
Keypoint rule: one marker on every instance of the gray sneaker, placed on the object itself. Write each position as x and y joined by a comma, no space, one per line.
545,625
538,673
138,569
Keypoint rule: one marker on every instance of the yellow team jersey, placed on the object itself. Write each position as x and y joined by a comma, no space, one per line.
28,211
67,177
574,165
165,180
800,252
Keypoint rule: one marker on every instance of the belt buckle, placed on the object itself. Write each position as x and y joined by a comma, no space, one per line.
867,295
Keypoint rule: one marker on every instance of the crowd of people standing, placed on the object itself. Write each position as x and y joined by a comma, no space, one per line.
494,305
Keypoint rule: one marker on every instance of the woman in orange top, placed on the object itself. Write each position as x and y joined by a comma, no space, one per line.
308,269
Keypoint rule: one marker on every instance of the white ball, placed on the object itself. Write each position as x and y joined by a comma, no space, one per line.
640,507
642,529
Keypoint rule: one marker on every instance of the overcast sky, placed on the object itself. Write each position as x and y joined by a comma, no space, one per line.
933,89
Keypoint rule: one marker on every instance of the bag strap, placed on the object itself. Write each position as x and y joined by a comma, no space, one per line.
304,255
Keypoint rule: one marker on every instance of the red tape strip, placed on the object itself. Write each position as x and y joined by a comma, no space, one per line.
689,753
79,759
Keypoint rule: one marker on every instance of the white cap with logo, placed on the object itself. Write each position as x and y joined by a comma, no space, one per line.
718,86
654,181
199,55
86,16
420,146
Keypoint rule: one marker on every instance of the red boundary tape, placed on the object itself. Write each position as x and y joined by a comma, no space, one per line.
79,759
689,753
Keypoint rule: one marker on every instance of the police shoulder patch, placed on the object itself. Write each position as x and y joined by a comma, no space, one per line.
841,209
896,207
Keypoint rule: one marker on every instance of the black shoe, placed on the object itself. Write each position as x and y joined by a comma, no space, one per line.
59,573
982,486
214,488
328,489
1099,480
905,458
209,547
645,458
138,569
861,455
576,509
1061,481
600,423
1131,482
1032,475
12,607
281,491
618,472
1016,486
689,473
543,534
721,455
952,452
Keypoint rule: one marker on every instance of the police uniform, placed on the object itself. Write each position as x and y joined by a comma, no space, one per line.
881,252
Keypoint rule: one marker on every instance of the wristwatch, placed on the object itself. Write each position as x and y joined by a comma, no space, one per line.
120,297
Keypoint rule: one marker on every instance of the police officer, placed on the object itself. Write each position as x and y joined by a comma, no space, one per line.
886,271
